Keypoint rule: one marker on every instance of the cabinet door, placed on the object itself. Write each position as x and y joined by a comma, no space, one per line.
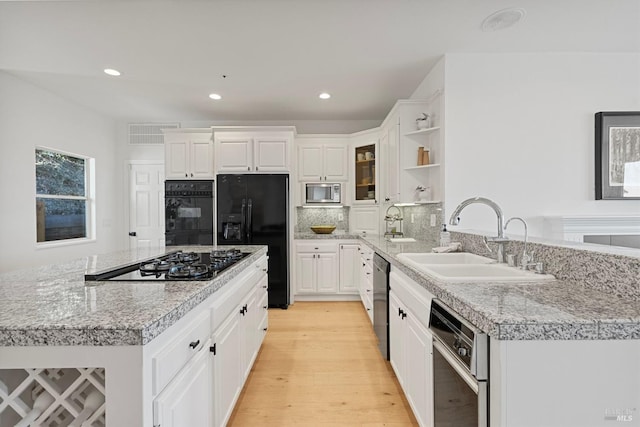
335,163
227,369
349,268
389,140
327,272
234,154
187,399
201,161
418,382
363,219
310,163
176,155
271,154
305,272
396,337
249,325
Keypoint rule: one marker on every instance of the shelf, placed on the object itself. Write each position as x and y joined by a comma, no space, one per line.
365,161
434,165
422,131
365,185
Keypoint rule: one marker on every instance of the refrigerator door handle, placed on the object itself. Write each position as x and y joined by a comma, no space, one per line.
249,218
243,218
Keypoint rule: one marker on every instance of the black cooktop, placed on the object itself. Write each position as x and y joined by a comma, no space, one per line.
176,265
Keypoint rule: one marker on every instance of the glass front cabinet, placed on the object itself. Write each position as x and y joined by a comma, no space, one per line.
365,180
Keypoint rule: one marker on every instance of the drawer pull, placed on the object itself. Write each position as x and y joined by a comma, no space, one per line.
194,344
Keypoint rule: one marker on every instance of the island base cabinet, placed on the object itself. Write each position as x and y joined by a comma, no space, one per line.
564,383
187,400
227,368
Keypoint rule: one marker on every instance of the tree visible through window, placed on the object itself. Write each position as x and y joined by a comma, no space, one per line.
61,196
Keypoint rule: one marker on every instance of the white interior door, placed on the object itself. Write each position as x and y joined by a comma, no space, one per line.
146,205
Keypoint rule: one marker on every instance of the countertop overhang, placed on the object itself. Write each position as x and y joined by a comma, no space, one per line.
53,305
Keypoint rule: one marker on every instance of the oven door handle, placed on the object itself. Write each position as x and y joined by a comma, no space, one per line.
455,364
249,218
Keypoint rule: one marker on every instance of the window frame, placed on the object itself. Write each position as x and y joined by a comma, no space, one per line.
88,198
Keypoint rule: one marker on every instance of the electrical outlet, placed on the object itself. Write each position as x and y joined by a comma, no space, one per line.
433,220
412,218
340,217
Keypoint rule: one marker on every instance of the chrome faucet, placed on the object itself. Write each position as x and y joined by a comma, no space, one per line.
525,258
499,239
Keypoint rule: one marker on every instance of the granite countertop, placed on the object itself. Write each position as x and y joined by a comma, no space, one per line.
53,305
550,310
336,235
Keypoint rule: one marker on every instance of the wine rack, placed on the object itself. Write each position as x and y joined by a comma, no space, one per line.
52,397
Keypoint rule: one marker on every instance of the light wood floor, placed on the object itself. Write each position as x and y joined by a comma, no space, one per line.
320,366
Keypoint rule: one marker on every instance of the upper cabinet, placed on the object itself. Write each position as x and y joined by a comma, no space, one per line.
413,151
253,150
188,154
322,159
365,170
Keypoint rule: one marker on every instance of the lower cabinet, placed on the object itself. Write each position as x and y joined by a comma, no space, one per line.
349,267
411,353
316,267
365,287
200,386
187,399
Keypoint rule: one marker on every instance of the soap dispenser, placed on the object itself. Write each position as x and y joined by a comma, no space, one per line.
445,236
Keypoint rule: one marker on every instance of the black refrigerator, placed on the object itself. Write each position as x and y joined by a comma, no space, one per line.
253,209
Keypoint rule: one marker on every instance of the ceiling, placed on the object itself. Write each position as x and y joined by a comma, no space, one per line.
278,55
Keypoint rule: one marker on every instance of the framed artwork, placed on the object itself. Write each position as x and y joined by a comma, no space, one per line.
617,168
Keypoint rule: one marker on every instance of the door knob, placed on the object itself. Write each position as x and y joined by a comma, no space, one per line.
132,234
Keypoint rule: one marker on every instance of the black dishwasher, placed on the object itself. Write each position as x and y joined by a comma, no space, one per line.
381,269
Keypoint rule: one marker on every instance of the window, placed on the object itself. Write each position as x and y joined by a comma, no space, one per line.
62,196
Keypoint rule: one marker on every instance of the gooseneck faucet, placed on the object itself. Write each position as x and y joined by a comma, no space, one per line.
525,257
499,239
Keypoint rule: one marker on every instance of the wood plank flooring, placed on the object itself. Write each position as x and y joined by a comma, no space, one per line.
320,366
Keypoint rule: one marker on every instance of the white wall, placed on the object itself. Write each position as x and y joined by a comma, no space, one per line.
520,131
30,117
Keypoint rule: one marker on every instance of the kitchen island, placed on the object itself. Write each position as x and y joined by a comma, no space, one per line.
156,351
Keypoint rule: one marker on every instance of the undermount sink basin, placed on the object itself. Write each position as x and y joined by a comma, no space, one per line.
466,267
445,258
401,239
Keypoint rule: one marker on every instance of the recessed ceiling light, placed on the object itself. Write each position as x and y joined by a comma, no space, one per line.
324,95
215,96
112,72
502,19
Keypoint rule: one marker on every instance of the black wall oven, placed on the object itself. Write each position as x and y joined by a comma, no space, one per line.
188,212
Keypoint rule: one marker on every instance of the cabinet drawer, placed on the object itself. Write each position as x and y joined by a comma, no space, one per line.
168,362
316,247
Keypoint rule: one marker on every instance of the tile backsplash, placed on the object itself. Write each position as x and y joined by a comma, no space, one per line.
421,227
322,216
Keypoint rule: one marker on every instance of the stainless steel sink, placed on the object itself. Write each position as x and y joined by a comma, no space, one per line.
466,267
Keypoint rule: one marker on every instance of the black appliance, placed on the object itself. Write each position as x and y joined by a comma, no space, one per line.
460,370
253,209
176,265
381,268
188,212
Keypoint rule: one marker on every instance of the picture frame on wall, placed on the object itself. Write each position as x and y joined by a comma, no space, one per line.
617,159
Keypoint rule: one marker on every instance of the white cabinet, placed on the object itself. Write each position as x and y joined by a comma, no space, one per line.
323,159
364,219
366,168
239,321
317,267
349,267
188,154
253,151
227,368
187,400
366,279
411,344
